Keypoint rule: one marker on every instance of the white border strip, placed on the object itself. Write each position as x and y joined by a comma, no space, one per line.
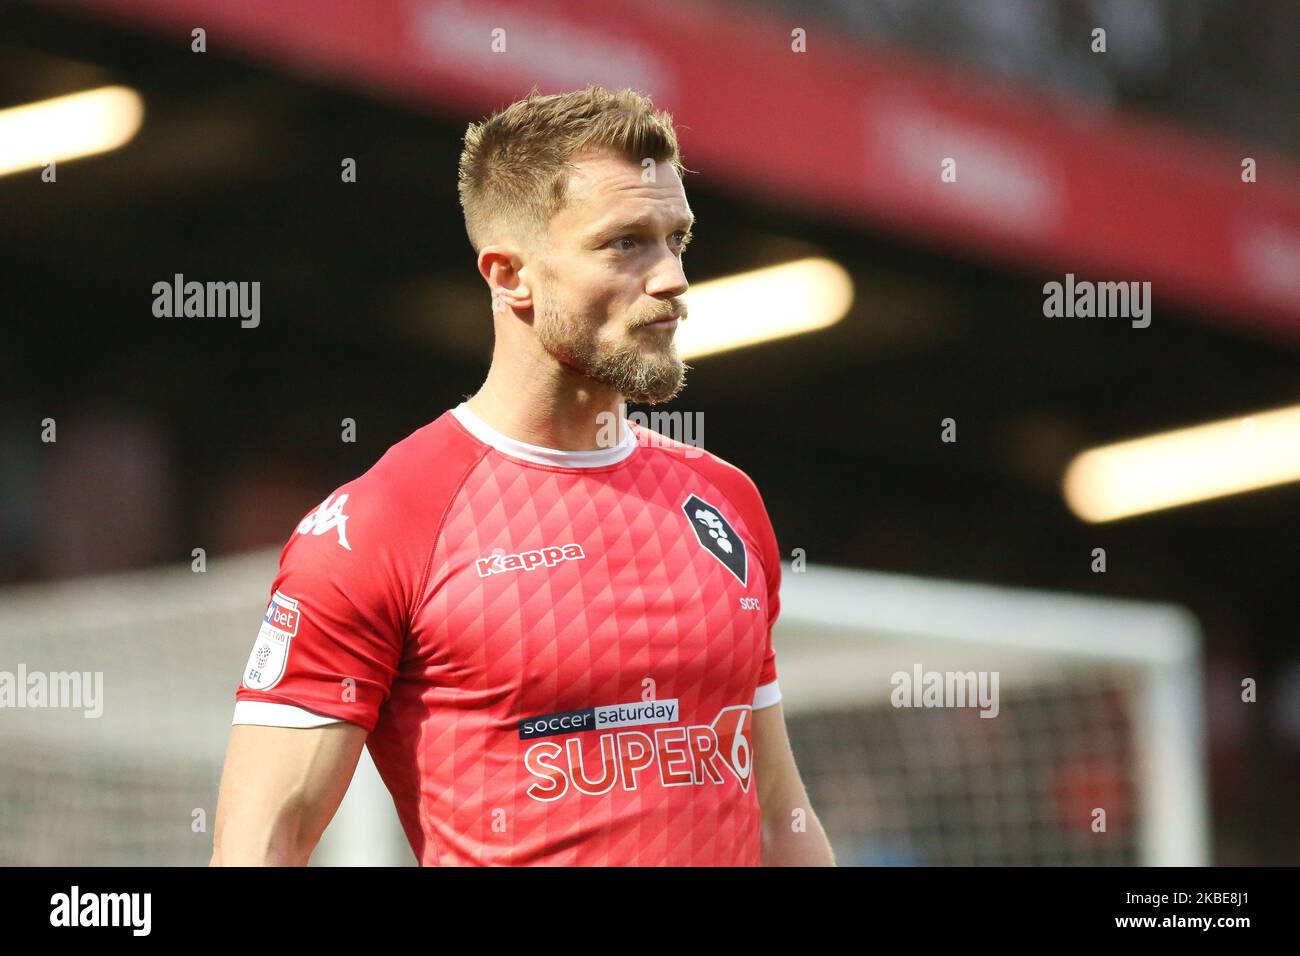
538,455
767,695
266,714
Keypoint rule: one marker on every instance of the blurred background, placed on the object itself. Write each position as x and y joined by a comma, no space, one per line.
1162,150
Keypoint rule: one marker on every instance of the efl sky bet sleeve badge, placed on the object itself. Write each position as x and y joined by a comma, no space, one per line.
717,536
271,651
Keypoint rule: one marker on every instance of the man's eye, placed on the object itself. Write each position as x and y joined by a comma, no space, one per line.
683,239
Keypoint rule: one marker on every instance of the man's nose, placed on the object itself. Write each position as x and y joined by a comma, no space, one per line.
668,279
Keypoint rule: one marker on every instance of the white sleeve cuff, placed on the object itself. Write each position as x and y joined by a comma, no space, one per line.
267,714
767,695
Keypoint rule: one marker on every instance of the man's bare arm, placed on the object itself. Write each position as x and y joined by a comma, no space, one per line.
790,838
280,789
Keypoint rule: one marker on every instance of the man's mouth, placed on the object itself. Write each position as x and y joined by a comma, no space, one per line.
668,323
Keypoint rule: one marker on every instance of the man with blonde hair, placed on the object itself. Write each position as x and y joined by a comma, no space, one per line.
553,633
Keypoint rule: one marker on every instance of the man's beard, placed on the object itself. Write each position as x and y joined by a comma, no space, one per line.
638,366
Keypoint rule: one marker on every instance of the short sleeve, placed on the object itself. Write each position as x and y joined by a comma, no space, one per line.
768,691
331,640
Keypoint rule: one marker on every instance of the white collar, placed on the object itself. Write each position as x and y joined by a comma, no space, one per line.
538,455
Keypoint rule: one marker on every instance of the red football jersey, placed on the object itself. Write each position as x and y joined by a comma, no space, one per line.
557,653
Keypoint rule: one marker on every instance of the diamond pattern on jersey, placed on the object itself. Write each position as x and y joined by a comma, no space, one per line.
645,612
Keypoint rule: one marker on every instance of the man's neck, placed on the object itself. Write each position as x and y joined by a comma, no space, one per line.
570,414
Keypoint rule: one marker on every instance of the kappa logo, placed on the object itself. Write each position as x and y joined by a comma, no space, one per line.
527,560
329,516
717,536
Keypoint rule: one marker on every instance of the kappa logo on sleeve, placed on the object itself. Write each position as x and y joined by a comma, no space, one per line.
270,652
329,516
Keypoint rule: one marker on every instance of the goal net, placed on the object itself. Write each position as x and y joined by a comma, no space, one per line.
944,723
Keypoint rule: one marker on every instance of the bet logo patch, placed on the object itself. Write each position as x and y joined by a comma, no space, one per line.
270,654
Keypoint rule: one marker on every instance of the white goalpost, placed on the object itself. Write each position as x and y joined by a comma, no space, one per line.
1100,709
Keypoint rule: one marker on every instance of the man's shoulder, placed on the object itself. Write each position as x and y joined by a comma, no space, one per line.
412,483
731,481
433,455
730,478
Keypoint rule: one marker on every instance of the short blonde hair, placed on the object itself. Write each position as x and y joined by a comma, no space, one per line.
514,169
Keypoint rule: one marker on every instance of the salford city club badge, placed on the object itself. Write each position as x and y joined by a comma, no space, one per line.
717,536
271,651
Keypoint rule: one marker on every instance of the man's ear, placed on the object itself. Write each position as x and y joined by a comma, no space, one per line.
502,270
